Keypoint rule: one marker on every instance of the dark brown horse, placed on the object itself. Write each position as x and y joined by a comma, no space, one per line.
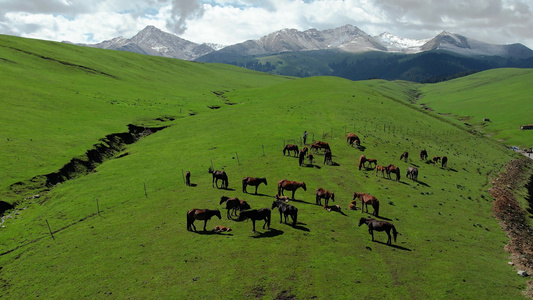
219,175
290,147
352,138
333,208
444,161
412,173
435,159
255,215
404,156
324,194
423,154
319,145
381,169
365,200
286,210
376,225
362,161
391,169
188,178
310,157
301,157
233,205
200,214
327,157
246,181
290,186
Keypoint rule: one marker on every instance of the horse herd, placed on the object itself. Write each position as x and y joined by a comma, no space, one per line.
239,210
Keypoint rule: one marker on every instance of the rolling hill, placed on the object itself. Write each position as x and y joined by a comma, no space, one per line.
120,230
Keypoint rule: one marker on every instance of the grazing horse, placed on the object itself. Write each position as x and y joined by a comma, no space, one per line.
382,169
404,156
362,161
255,215
435,159
188,178
286,210
290,147
290,186
219,175
233,205
423,154
412,173
246,181
376,225
310,157
319,145
327,157
365,200
200,214
394,170
353,138
372,161
444,161
322,193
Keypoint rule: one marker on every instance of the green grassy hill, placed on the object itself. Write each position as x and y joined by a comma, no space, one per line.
503,96
58,100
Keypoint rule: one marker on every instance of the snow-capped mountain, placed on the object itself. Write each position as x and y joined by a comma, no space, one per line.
152,41
348,38
398,44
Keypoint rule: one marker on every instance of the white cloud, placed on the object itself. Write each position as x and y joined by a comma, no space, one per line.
233,21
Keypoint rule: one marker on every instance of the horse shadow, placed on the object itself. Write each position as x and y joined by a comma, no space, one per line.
334,164
300,227
393,246
299,201
227,189
193,185
361,148
453,170
268,234
423,183
383,218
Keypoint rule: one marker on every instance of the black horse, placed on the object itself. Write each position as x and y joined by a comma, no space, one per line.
219,175
233,205
423,154
286,210
255,215
376,225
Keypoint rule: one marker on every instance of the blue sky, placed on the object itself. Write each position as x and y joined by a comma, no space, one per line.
233,21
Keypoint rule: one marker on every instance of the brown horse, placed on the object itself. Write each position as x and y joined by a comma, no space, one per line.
324,194
301,157
362,161
188,178
282,198
382,169
221,228
444,162
233,205
200,214
291,147
435,159
352,138
327,157
376,225
365,200
333,208
319,145
290,186
412,173
246,181
371,161
255,215
394,170
404,156
286,210
219,175
352,205
423,154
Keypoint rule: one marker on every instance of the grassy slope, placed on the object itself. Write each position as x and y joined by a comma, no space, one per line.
502,95
138,247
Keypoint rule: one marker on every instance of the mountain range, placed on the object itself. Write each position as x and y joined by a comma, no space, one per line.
345,46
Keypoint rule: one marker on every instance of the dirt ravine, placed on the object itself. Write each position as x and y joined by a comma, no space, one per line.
514,218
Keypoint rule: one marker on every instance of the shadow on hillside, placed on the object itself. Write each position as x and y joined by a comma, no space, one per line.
393,246
423,183
361,148
452,169
268,234
383,218
260,195
312,166
193,185
300,227
299,201
227,189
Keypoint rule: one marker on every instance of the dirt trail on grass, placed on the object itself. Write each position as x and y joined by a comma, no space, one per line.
513,218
